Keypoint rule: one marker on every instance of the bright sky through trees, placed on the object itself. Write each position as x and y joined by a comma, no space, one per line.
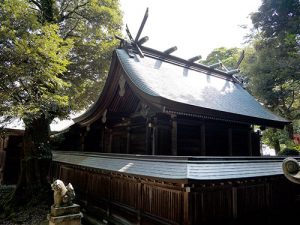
194,26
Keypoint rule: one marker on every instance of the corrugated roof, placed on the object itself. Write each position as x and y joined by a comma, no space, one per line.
163,79
177,168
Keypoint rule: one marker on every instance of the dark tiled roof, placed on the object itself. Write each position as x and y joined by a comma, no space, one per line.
200,88
177,168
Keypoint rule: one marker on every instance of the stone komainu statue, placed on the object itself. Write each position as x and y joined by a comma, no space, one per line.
291,169
63,195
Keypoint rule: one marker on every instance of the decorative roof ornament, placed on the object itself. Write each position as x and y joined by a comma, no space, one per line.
236,70
134,46
136,42
216,65
291,169
170,50
195,58
233,71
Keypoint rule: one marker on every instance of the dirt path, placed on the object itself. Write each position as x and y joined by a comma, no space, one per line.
30,215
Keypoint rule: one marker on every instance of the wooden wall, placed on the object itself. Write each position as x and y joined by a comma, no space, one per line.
125,199
215,138
13,152
163,134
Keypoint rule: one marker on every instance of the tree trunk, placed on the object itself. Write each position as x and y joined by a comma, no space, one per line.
290,129
277,146
33,182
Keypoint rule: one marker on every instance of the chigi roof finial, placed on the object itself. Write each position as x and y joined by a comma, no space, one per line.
137,42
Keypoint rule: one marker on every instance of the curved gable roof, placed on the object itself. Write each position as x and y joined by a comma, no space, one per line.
178,86
197,91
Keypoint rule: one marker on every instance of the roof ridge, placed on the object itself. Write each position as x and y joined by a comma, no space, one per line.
165,57
184,62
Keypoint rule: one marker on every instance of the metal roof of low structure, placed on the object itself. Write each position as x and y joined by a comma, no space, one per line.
176,168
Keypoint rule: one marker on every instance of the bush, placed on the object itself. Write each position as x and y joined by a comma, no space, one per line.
289,152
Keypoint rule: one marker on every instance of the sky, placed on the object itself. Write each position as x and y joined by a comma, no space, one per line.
196,27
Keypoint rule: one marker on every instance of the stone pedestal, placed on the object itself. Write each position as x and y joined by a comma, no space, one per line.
68,215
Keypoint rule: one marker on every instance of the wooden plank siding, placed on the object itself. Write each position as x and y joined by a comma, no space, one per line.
132,199
123,193
162,202
164,135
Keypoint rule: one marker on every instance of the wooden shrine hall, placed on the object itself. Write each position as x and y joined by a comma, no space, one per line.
159,104
171,141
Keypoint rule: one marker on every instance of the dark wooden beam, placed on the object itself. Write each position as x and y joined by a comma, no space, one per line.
142,25
250,142
110,141
148,137
187,206
234,202
154,140
230,141
102,144
174,135
128,140
202,141
82,137
170,50
154,137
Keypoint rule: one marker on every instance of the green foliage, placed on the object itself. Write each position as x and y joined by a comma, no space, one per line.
33,58
54,55
296,124
228,56
288,152
92,24
277,18
273,69
270,136
274,79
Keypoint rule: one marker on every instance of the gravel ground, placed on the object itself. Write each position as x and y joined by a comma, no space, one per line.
31,215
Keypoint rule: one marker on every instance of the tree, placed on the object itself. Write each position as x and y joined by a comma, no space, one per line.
277,19
274,71
228,56
53,54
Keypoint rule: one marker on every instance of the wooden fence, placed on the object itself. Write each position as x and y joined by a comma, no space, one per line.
121,198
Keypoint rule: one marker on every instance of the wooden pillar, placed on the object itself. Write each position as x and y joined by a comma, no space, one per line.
154,140
110,141
82,137
102,144
1,143
202,140
187,206
230,142
148,137
174,135
139,202
128,140
234,202
250,142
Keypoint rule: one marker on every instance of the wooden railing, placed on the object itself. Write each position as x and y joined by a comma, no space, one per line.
124,198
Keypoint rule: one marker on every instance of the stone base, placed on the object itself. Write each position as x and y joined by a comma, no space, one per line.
73,219
68,215
65,210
